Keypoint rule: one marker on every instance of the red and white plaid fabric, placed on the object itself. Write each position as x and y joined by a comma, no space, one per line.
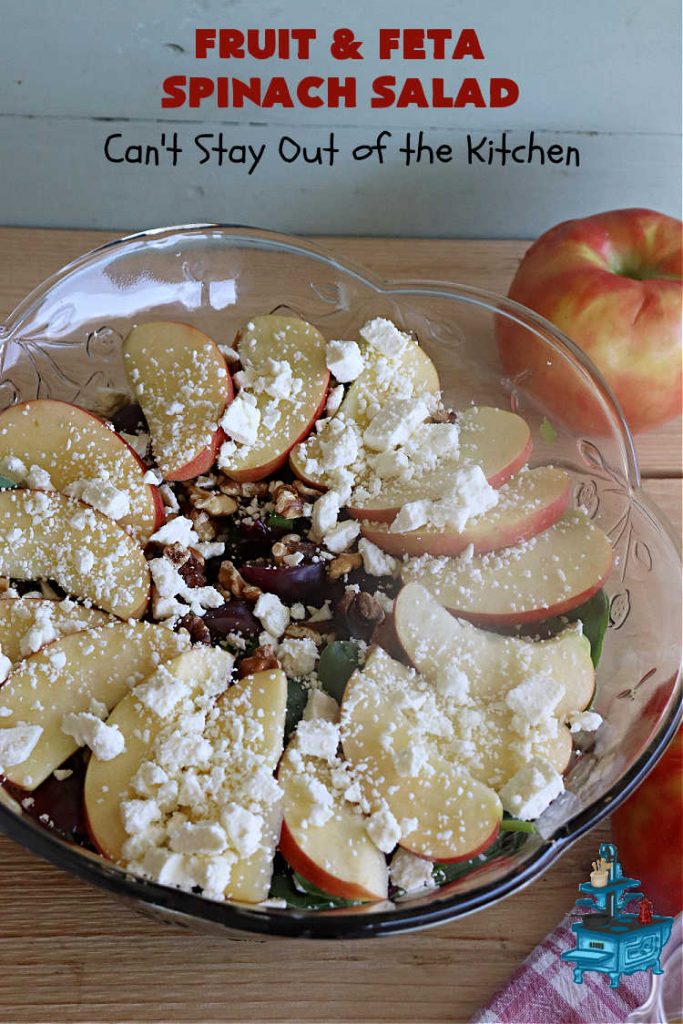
543,990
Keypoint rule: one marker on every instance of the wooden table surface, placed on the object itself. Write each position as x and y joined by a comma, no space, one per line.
69,952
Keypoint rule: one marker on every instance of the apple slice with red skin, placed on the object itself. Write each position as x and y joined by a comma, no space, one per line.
65,676
45,535
437,644
72,444
181,381
338,857
107,783
19,615
528,504
548,575
362,398
454,816
283,339
256,700
498,441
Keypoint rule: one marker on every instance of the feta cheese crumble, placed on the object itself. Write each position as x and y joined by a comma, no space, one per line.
531,790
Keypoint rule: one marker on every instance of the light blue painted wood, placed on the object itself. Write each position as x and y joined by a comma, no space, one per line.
602,77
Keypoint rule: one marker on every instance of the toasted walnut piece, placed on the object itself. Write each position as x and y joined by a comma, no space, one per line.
196,627
192,571
287,545
444,416
262,660
257,489
288,503
216,504
305,491
300,631
361,612
202,524
176,553
230,582
344,564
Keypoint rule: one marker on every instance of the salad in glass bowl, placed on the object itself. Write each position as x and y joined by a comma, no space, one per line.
281,626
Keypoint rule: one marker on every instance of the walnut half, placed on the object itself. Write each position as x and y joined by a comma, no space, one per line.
262,660
231,582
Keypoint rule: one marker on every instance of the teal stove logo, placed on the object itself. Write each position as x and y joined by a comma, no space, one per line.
609,940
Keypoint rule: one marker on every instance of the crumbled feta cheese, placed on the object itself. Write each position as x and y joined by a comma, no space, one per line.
344,360
17,744
581,721
62,773
84,561
42,632
101,494
534,700
139,443
241,420
39,479
105,741
410,761
272,614
383,829
334,399
411,873
340,449
152,476
453,684
13,468
167,579
394,424
243,829
317,737
297,657
204,837
177,531
138,815
533,788
325,513
375,561
322,802
5,666
298,611
384,336
411,516
341,537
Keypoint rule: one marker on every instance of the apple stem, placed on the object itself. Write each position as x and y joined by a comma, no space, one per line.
515,825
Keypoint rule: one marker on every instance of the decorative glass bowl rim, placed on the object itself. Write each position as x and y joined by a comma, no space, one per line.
404,916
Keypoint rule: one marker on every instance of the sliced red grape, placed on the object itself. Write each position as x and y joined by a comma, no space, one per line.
290,583
231,617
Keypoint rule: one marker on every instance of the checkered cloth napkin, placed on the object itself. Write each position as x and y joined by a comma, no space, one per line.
543,991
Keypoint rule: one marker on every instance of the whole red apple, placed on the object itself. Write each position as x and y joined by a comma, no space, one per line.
612,283
648,831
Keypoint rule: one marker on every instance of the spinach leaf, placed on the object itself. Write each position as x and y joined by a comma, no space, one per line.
337,662
283,887
507,842
297,696
594,615
6,484
277,522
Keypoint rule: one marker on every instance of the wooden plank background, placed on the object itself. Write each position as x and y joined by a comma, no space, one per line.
69,952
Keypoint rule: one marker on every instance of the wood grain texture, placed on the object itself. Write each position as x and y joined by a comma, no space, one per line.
71,953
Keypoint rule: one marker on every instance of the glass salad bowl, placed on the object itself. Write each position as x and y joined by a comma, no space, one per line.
64,342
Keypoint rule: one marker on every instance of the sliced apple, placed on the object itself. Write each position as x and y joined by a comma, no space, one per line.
284,418
249,730
442,647
98,664
57,619
496,440
180,379
72,444
337,856
528,504
548,575
107,783
372,389
45,535
451,815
